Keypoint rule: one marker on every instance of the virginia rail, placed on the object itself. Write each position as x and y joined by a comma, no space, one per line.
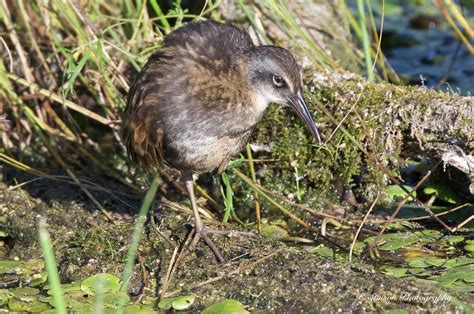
196,102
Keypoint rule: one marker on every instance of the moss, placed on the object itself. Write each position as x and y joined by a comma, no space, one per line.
382,118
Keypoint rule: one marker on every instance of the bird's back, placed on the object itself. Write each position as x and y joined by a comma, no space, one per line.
185,94
208,42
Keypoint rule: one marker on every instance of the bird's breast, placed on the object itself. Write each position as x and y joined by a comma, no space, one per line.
201,153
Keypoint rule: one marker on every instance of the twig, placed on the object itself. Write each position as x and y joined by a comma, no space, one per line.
254,179
354,240
463,223
91,197
9,53
157,230
378,165
272,201
144,278
167,278
182,253
452,24
379,42
220,277
399,207
207,215
34,44
459,17
16,42
344,118
67,103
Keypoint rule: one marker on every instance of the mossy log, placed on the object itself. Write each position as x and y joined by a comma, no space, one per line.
408,121
375,124
366,126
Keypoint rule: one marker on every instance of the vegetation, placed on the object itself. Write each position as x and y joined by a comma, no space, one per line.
64,73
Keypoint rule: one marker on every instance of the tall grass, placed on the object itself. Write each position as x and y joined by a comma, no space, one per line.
365,39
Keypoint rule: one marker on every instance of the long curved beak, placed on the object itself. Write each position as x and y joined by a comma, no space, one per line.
298,104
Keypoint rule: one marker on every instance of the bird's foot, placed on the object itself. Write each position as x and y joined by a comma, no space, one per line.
201,234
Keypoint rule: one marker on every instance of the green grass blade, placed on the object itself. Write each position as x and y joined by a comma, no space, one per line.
53,276
365,40
156,7
136,236
229,206
74,72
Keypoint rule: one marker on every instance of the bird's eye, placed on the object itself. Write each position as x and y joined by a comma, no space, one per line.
278,81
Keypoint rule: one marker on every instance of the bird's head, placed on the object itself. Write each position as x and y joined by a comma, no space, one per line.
275,77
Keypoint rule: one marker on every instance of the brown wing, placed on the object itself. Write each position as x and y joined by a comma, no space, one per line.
142,132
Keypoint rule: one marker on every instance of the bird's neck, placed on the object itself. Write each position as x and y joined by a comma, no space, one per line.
260,103
252,102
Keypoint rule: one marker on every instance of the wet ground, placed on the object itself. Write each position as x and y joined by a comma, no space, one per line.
262,274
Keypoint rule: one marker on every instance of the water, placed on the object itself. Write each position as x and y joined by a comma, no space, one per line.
422,48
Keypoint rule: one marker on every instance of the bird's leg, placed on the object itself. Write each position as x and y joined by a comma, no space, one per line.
199,228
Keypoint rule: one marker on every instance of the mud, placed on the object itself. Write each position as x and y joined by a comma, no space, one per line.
264,275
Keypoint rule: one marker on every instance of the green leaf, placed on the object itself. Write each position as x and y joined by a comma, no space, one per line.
442,192
427,235
137,309
74,70
109,283
401,241
435,261
417,263
112,299
458,261
395,192
35,306
65,288
466,288
454,239
420,272
183,303
82,308
448,279
8,266
178,303
227,306
228,197
457,274
322,251
469,276
469,247
274,232
76,299
235,162
4,296
400,226
359,246
24,292
396,311
39,279
397,272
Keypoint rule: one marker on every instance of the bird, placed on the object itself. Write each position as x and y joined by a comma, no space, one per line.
195,103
